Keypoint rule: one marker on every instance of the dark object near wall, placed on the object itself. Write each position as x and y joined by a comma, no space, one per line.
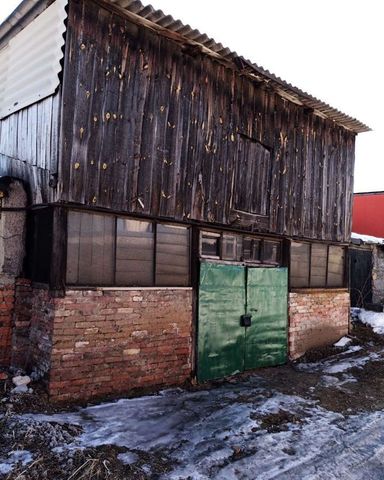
374,307
40,227
360,264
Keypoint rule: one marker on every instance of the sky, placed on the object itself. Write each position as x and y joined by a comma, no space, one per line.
331,49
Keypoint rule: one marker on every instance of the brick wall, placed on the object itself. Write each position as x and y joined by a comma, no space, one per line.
111,341
316,318
7,298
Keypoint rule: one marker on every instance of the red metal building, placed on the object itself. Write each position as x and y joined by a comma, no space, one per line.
367,216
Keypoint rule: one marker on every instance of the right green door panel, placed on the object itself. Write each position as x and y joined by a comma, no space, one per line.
220,336
266,338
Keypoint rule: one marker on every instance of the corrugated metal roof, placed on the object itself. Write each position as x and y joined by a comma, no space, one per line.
168,26
31,61
160,21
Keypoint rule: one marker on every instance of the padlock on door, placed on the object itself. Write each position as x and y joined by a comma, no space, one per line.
246,320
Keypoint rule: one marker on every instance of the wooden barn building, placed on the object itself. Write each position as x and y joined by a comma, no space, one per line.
169,210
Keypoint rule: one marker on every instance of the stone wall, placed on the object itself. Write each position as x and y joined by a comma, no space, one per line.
12,252
110,341
316,318
7,298
32,327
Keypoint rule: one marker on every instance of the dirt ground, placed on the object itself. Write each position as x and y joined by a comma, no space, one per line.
350,393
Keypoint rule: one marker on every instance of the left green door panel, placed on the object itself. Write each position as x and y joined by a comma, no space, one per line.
220,336
266,338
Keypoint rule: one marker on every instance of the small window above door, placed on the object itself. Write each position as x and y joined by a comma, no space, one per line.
233,247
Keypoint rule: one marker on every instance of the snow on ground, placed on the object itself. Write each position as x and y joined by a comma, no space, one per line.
7,464
340,364
242,430
202,431
374,319
221,433
343,342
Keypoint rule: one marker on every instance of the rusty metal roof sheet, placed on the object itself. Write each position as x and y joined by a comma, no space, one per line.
167,25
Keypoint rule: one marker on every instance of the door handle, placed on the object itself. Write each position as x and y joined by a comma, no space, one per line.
253,310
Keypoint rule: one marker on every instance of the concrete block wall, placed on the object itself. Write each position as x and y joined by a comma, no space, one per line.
316,318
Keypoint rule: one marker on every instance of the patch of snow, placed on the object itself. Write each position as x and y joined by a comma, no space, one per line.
339,363
16,456
128,458
354,348
146,469
343,342
21,380
335,382
367,238
20,389
352,363
374,319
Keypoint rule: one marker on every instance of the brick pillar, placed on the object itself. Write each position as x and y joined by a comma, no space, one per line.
317,317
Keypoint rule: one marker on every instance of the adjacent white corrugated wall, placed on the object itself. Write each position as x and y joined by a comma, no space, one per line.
30,62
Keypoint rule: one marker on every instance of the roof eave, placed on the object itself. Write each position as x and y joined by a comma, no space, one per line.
23,14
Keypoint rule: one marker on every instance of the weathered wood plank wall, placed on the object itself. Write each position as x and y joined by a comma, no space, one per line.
29,146
153,129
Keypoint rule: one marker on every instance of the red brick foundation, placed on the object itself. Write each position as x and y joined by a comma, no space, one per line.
7,298
316,318
111,341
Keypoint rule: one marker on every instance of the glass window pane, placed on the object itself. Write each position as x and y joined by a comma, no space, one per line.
251,249
271,252
210,245
335,266
90,251
134,253
232,248
299,268
318,265
172,255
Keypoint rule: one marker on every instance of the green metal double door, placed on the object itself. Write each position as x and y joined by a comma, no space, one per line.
242,319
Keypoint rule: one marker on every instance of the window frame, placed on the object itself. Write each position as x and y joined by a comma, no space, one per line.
214,235
241,261
154,224
326,286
